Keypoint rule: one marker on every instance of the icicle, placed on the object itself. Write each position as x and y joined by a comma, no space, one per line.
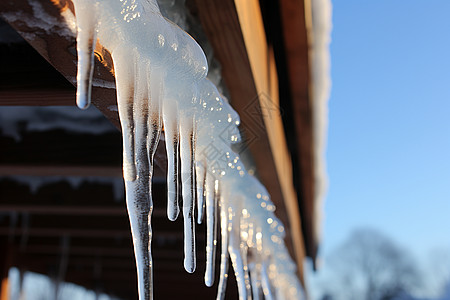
86,40
254,260
125,92
244,254
212,200
173,160
187,176
134,113
234,248
154,131
255,277
224,230
201,181
155,92
265,282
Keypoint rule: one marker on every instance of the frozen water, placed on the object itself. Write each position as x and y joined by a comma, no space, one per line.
161,81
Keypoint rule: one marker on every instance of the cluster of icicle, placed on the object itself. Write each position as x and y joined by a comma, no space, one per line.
161,81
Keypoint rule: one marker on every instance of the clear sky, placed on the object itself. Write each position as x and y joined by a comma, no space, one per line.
388,151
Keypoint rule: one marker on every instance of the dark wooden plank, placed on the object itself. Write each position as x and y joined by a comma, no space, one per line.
221,23
80,251
90,233
295,32
37,97
63,210
26,78
58,152
49,170
59,147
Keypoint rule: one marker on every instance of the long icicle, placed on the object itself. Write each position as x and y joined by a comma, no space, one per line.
86,40
234,248
200,179
143,201
247,281
155,91
265,282
224,256
171,130
255,278
187,169
212,196
138,204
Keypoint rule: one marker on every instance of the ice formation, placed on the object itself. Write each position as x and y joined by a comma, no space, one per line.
321,24
161,81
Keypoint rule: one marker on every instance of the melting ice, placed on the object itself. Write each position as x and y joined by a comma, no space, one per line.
161,82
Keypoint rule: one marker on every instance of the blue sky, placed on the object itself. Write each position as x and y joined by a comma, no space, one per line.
388,151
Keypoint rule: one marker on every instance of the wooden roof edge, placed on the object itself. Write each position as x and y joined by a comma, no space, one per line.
236,33
296,18
59,51
318,26
264,69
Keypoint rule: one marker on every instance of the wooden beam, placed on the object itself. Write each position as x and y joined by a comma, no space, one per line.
49,232
4,289
37,97
106,262
63,210
296,21
27,79
80,171
164,255
60,153
72,210
81,251
84,233
264,71
236,33
29,170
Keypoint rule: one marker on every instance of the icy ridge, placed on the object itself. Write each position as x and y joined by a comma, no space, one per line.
161,81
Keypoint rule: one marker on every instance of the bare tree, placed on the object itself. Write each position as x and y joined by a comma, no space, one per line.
437,273
370,266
